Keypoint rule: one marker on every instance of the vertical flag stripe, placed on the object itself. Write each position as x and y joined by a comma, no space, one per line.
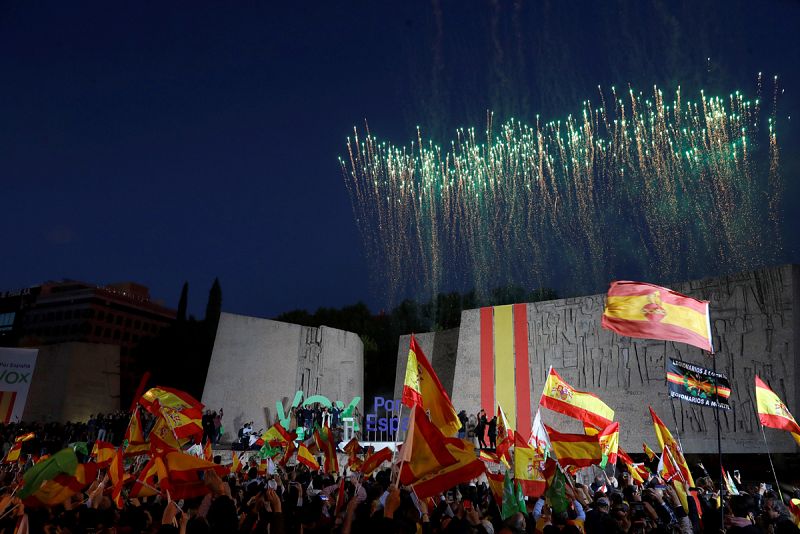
504,361
487,360
7,399
523,375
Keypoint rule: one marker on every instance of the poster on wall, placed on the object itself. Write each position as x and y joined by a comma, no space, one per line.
16,372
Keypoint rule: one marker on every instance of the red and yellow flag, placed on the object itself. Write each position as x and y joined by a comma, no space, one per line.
62,487
375,460
529,469
13,454
465,468
208,452
116,472
103,453
575,449
24,437
421,387
665,439
646,311
609,444
563,398
424,449
305,457
135,444
150,477
327,445
772,412
184,474
505,434
496,486
276,435
162,437
236,465
287,453
649,452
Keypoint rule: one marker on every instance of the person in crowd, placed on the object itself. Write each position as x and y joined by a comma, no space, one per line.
480,429
217,423
462,417
491,432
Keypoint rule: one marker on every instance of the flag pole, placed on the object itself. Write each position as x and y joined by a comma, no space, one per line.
771,466
719,439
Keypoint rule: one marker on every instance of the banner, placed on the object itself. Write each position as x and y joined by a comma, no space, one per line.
698,385
16,372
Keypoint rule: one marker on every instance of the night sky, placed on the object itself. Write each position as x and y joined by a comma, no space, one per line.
161,142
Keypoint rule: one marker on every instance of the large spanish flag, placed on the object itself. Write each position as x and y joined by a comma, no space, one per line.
575,449
772,412
637,309
424,450
277,435
421,387
563,398
505,367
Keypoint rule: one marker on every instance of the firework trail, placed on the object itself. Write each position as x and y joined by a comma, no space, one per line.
638,186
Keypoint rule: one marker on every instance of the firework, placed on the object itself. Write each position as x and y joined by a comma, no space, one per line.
636,186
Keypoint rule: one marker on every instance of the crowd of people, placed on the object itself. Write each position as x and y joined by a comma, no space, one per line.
293,499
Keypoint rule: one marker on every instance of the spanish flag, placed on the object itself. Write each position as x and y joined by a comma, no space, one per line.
134,443
208,452
327,445
665,439
649,452
496,486
772,412
563,398
181,411
646,311
13,453
184,475
529,469
62,487
505,435
575,449
671,470
287,453
236,466
151,475
116,472
424,449
103,453
609,444
305,457
465,468
421,387
374,461
162,437
24,437
277,435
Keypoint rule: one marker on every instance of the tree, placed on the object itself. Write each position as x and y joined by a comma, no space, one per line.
214,306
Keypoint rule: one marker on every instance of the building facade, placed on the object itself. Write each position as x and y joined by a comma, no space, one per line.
257,363
503,354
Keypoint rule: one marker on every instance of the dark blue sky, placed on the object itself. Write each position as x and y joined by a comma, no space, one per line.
162,142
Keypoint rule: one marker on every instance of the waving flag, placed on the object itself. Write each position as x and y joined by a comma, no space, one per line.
665,439
62,487
563,398
505,435
496,486
421,387
305,457
575,449
277,435
103,453
649,452
186,474
647,311
147,482
375,460
134,443
697,385
325,442
529,469
772,412
609,443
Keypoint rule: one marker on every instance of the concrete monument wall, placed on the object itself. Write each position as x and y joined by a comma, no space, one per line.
257,362
755,327
72,381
